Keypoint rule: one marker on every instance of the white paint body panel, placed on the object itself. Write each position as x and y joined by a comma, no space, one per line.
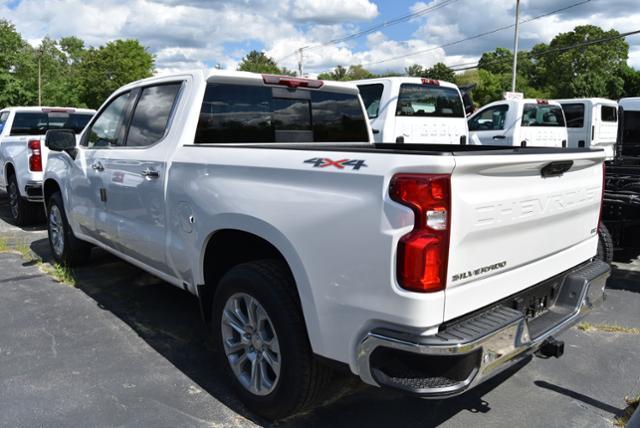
416,130
337,229
595,132
513,133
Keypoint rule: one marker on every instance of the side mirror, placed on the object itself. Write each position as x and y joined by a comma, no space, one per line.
60,140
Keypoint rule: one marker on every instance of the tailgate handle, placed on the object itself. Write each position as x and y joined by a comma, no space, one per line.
555,169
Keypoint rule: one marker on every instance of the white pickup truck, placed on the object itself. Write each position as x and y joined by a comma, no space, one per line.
23,155
424,268
519,122
414,110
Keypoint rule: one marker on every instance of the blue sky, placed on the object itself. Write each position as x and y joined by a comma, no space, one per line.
205,33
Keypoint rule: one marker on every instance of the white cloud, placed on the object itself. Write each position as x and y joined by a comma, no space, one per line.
333,10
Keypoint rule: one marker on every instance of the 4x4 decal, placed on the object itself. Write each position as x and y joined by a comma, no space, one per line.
355,164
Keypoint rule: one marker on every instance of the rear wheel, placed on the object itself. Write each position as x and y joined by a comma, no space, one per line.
605,244
23,213
259,330
67,249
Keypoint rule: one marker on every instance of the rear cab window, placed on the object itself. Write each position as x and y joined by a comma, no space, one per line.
609,114
38,123
542,115
631,127
574,114
417,100
236,113
371,96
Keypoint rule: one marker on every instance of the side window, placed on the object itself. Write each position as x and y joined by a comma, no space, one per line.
107,129
3,119
609,114
371,95
151,114
491,119
574,113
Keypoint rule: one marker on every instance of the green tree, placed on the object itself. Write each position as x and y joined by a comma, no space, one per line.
338,73
631,80
259,62
105,69
440,71
589,71
358,72
16,67
414,70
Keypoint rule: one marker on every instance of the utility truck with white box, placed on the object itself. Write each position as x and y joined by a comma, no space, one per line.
23,155
591,122
520,123
422,268
414,110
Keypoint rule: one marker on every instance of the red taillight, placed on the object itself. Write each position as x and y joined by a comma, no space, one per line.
291,82
35,160
430,82
423,253
544,102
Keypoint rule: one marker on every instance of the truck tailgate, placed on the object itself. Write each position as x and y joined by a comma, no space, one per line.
512,228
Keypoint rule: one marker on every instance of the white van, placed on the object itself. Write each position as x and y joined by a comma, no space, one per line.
591,122
414,110
629,126
519,122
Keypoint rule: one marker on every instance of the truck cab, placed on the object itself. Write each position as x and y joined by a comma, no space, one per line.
629,132
519,122
591,122
414,110
23,154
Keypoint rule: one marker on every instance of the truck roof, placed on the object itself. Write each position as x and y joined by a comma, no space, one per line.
522,101
231,76
403,79
39,109
588,100
632,103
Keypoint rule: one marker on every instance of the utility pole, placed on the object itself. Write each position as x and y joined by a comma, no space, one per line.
300,62
515,47
40,79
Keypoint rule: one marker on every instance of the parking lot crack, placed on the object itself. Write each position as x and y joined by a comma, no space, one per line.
54,343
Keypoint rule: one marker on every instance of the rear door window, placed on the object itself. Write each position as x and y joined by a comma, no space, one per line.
491,119
609,114
38,123
542,115
259,114
429,101
574,113
3,119
151,114
371,96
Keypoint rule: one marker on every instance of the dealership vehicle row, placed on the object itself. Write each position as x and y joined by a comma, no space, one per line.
317,228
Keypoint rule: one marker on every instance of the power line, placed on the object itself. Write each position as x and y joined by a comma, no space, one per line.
477,36
394,21
470,66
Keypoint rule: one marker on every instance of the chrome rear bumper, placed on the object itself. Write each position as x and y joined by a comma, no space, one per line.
470,351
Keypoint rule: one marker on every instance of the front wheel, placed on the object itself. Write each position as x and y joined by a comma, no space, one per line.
261,337
67,249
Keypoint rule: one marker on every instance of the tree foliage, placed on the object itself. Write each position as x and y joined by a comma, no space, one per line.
259,62
72,74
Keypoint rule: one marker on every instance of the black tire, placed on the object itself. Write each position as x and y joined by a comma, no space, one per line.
23,212
302,378
605,244
72,252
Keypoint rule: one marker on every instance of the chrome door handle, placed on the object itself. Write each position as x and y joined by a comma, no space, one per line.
97,166
150,173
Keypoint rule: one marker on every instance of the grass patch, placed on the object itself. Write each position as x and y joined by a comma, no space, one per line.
632,406
4,246
59,273
607,328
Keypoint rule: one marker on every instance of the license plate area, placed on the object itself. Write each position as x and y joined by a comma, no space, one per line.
536,301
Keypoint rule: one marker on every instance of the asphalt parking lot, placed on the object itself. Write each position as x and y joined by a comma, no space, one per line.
122,348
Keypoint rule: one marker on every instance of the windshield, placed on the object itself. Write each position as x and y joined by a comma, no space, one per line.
257,114
542,115
38,123
631,130
429,101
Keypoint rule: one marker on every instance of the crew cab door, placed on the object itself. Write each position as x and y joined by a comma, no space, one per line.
135,173
490,126
87,195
